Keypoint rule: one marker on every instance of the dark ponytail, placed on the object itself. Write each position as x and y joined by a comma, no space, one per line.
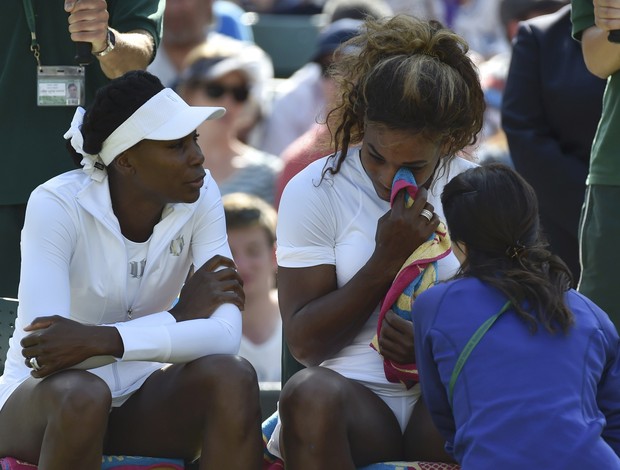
494,211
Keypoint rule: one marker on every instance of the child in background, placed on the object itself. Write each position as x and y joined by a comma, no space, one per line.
251,227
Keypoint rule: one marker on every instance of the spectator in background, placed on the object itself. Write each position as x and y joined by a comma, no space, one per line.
308,147
303,97
477,21
187,24
493,72
512,12
258,6
251,228
297,7
283,7
226,73
425,9
600,221
335,10
316,141
488,26
493,146
550,111
121,35
191,23
482,23
228,21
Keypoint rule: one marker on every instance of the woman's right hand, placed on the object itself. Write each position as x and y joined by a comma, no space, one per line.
215,283
58,343
402,230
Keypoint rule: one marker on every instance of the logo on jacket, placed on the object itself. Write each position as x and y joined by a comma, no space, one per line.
136,268
176,246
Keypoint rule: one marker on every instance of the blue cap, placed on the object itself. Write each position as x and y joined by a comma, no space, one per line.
335,34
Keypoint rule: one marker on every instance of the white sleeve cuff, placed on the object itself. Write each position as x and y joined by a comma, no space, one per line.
160,338
146,338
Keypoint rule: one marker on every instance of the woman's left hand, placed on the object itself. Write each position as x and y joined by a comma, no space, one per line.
58,343
396,339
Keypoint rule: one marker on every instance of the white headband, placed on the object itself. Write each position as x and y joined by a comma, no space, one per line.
163,117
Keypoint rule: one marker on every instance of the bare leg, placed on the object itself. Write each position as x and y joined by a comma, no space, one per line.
422,440
328,418
209,408
58,422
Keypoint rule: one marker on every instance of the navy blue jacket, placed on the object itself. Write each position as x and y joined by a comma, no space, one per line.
550,110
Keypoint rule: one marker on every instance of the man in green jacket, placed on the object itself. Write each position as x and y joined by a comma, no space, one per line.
38,76
600,220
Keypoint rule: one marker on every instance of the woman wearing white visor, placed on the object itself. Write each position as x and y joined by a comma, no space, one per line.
101,361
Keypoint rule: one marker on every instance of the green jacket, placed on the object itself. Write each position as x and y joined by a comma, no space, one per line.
31,137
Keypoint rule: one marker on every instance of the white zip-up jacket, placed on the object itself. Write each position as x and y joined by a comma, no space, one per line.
74,264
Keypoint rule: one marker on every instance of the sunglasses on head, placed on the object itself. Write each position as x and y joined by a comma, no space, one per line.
215,90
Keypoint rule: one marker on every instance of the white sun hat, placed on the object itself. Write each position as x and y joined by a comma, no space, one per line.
165,116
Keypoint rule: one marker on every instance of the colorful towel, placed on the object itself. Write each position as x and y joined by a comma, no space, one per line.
9,463
270,461
279,465
416,275
126,462
411,466
109,462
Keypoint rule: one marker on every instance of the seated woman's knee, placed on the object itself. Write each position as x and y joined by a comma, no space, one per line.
315,389
78,395
224,369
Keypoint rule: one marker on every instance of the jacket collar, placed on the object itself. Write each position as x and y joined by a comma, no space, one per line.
95,198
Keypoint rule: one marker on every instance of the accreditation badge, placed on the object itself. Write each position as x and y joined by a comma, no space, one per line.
59,85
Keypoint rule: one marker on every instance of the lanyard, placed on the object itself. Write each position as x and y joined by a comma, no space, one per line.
471,344
30,18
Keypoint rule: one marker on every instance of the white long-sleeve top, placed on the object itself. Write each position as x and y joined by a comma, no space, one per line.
74,264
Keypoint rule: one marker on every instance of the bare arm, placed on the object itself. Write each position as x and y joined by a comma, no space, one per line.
133,51
88,22
602,57
319,318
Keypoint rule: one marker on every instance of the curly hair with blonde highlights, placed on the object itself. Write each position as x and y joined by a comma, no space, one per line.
409,75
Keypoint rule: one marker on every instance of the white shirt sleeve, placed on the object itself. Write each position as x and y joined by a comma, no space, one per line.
160,338
306,230
47,242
